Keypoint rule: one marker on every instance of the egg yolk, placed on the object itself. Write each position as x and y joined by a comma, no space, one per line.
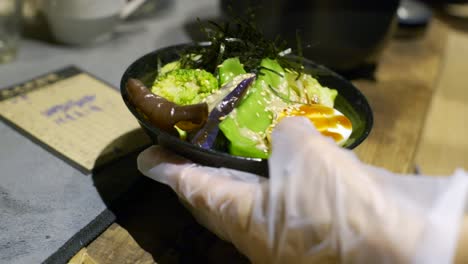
324,119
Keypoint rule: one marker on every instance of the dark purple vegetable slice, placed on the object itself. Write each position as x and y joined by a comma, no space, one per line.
206,136
165,114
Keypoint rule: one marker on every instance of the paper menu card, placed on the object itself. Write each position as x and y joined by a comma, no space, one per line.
78,117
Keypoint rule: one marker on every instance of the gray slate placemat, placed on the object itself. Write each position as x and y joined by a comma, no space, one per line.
49,208
43,200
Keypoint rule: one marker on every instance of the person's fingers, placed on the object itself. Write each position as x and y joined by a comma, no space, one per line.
213,193
155,155
356,200
216,195
162,165
327,184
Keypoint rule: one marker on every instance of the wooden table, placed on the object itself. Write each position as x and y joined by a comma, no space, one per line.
417,97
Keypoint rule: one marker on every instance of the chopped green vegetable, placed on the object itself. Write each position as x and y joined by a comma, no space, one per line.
185,86
245,127
309,91
182,133
169,67
229,69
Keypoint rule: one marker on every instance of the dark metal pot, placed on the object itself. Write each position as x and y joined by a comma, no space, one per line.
342,35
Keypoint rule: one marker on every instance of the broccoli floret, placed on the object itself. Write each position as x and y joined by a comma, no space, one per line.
185,86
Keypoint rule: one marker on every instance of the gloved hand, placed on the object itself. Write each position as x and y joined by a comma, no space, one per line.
320,204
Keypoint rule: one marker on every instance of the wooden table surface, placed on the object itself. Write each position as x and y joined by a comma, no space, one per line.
419,97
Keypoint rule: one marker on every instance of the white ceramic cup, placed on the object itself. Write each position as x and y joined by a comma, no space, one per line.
81,22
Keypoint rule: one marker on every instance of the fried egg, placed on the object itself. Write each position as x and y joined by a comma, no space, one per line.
328,121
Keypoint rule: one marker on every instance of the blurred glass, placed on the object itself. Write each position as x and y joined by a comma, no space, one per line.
10,28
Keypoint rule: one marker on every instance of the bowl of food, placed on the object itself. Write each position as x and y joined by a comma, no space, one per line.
216,103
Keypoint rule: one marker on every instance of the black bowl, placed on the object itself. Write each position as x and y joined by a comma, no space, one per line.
350,101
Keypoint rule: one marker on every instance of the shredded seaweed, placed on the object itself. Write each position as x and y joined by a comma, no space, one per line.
240,37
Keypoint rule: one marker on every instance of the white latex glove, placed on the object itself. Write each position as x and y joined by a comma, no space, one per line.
320,204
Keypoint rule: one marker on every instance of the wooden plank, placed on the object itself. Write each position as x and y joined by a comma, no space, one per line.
400,98
398,118
415,59
82,257
116,245
443,145
461,255
444,141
